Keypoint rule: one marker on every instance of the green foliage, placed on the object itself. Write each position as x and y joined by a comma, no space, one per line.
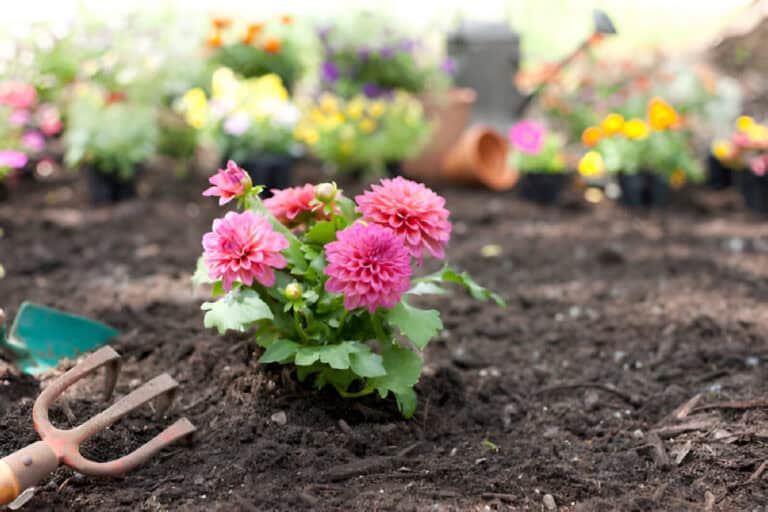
298,322
549,160
113,137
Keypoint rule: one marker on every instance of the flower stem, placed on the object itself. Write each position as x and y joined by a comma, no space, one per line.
299,328
365,391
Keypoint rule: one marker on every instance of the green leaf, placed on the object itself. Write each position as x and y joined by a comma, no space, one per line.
347,207
307,356
367,364
236,311
279,351
324,232
403,370
449,275
406,402
337,356
418,325
200,277
427,288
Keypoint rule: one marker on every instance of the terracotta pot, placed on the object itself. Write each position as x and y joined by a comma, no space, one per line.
449,114
480,156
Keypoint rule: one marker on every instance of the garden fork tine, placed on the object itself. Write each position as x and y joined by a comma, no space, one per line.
26,467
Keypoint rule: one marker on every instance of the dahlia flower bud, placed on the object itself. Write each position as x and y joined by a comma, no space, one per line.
326,192
293,291
229,183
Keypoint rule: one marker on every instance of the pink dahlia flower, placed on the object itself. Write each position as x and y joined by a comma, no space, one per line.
17,95
288,204
759,165
527,136
369,265
412,211
19,117
33,141
244,247
13,159
228,183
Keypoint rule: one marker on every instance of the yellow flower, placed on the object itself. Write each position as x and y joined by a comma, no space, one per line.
591,136
311,137
635,129
722,150
316,115
377,108
677,179
661,115
612,124
744,122
224,84
757,133
328,103
355,108
194,104
367,125
591,165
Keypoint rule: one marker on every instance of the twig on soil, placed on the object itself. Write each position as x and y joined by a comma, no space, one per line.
709,501
660,455
700,423
632,400
684,410
307,497
498,496
744,404
659,492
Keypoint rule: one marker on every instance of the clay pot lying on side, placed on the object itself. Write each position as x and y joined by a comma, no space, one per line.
480,156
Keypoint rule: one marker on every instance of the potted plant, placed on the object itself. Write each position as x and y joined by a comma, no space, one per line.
13,158
538,156
362,135
750,143
251,120
110,138
366,53
326,283
278,46
646,156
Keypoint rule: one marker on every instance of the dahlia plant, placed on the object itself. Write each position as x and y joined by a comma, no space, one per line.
535,150
327,283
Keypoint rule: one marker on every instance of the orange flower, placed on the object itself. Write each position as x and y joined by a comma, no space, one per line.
247,38
591,136
214,41
643,83
286,19
612,124
255,28
221,22
661,115
272,45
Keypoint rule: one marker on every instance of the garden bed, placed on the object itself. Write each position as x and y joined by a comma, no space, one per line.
611,327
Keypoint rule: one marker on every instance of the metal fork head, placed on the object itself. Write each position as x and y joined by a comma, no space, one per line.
66,443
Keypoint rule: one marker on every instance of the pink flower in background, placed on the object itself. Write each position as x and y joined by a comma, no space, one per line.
19,117
237,123
759,165
369,265
33,141
228,183
244,247
17,95
527,136
49,120
12,159
412,211
288,204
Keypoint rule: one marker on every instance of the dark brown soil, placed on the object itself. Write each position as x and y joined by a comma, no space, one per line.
569,392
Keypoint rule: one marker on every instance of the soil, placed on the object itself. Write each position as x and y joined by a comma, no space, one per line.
569,398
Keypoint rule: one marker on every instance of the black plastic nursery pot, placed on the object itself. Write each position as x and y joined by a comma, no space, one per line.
754,190
719,176
644,189
542,187
270,170
109,188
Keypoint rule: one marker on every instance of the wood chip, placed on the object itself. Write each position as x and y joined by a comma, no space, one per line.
742,404
660,455
702,423
709,501
684,410
683,452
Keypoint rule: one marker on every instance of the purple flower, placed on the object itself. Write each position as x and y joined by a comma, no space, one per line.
12,159
363,53
407,45
330,72
387,53
448,66
323,33
527,136
19,117
33,141
372,90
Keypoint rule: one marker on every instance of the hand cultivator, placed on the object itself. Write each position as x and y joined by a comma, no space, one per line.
26,467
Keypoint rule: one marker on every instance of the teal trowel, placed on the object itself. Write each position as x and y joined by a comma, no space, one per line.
40,337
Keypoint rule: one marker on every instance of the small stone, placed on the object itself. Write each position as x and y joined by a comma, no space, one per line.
280,418
549,502
638,434
591,400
